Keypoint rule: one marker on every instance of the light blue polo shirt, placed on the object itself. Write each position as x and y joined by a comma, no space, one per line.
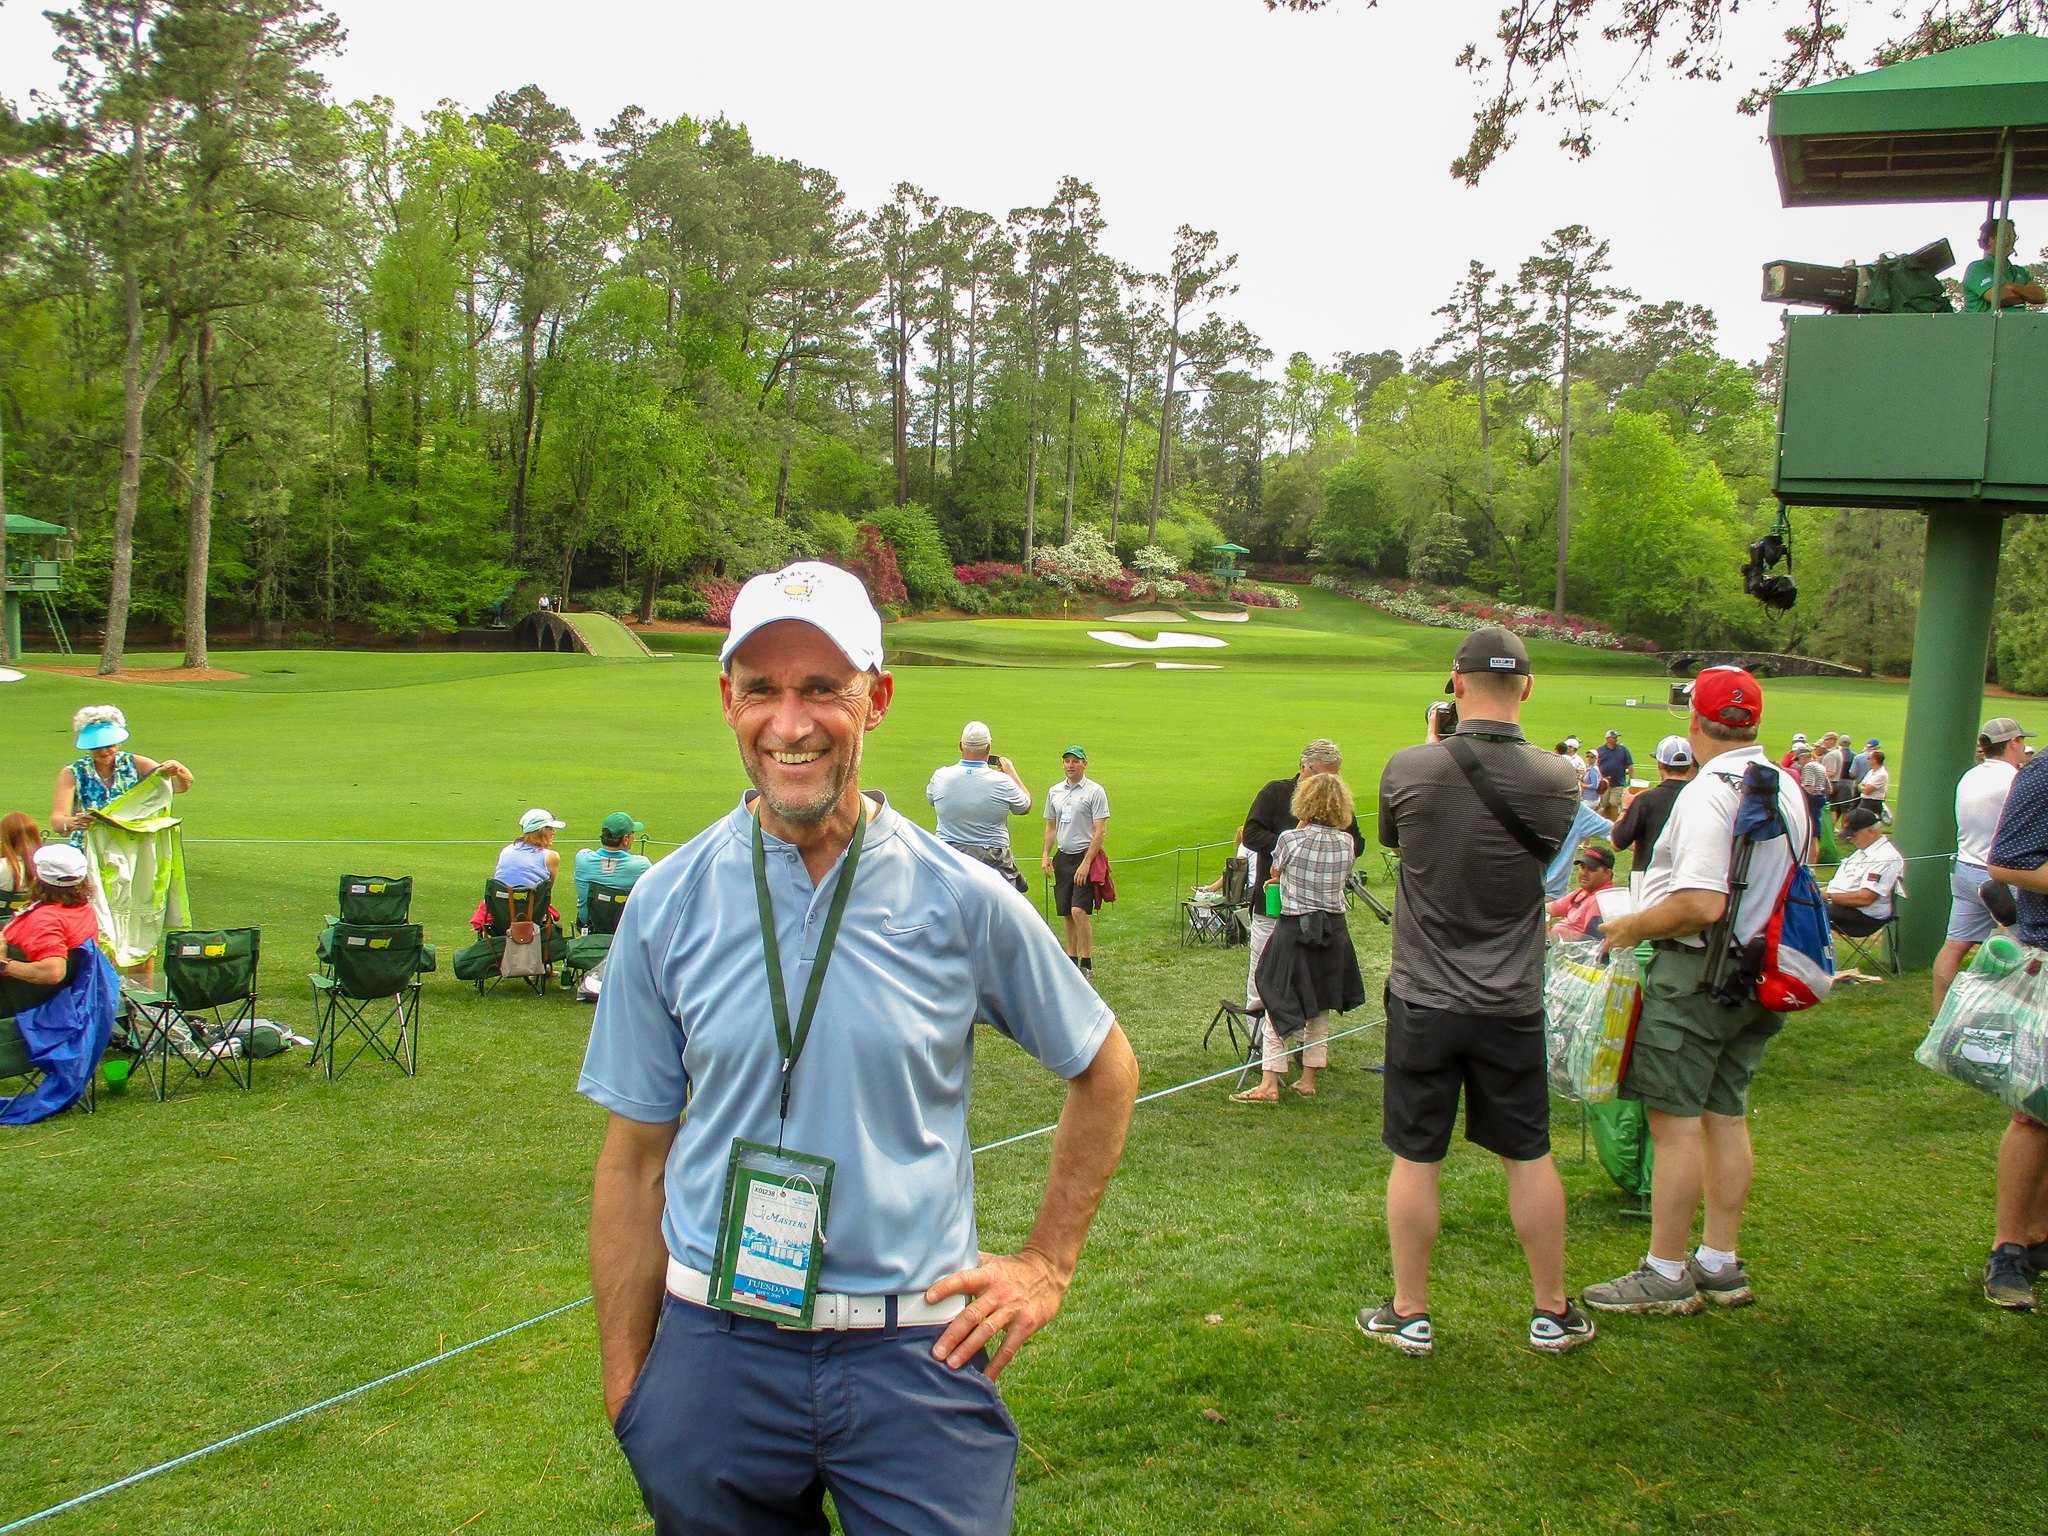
611,869
931,941
975,803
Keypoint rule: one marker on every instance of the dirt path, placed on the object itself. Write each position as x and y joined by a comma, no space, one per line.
152,674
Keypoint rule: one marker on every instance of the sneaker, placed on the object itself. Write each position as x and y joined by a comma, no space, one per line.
2008,1278
1725,1287
1556,1332
1643,1290
1410,1335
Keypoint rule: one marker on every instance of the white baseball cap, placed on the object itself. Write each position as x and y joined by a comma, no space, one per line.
820,595
1674,752
975,733
537,818
60,864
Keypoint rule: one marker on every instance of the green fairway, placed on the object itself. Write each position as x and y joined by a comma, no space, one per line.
178,1272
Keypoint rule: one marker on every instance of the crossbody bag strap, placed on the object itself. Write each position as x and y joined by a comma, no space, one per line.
1490,796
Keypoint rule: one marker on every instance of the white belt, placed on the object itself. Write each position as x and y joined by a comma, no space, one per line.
832,1311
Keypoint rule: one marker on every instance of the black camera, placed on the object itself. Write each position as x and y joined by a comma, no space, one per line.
1443,715
1891,285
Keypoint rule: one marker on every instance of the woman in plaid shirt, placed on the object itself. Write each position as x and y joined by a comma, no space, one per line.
1309,968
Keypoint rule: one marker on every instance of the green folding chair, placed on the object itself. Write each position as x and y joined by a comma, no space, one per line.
370,901
370,994
504,906
587,951
202,1018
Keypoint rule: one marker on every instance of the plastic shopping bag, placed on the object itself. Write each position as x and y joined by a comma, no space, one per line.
1992,1031
1589,1008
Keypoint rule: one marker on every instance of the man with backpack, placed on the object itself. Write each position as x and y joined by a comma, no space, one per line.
1694,1054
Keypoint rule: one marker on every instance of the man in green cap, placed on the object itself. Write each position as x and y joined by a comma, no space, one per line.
614,866
1076,817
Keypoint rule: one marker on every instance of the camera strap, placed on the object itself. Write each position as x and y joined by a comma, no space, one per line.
1490,796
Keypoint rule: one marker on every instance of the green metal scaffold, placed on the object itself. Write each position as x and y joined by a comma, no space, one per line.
1942,414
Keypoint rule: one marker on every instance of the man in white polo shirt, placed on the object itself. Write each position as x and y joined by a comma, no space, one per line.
1980,800
1860,896
1694,1056
1076,820
805,1238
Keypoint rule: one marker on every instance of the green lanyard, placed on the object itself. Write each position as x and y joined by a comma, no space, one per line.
792,1045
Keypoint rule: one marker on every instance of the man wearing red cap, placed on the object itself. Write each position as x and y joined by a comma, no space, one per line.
1694,1056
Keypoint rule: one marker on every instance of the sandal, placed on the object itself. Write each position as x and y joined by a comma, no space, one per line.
1253,1096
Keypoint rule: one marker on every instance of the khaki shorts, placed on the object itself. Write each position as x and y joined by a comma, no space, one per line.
1690,1052
1611,799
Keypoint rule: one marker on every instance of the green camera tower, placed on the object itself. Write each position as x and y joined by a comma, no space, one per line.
1943,414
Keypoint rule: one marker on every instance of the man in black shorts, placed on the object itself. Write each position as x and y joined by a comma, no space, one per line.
1076,818
1465,988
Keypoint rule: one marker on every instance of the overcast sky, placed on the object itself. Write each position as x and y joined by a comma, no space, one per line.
1318,146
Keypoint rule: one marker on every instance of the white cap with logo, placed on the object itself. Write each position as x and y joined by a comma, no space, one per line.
820,595
975,735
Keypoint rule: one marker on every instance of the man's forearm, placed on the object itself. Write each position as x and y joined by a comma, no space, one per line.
1851,898
1085,1151
2035,880
628,1264
1678,916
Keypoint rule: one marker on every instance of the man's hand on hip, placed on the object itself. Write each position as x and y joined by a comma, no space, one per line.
1015,1295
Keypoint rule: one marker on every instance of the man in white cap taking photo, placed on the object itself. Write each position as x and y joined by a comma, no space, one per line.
790,1294
975,799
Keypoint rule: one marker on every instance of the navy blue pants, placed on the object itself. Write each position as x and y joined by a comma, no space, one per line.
738,1428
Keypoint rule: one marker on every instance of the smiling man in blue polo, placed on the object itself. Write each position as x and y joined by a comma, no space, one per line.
791,1297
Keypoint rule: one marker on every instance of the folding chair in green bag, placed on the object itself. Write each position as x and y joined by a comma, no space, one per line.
204,1015
587,951
371,901
372,993
519,941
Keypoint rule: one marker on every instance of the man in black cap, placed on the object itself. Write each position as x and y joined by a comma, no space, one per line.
1478,815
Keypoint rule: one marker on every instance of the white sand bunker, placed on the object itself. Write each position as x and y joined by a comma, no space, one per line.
1186,666
1216,618
1158,643
1115,666
1153,616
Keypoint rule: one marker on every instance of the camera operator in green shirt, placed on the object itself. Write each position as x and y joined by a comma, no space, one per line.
2020,289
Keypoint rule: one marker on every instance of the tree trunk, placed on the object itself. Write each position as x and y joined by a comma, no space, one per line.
199,525
369,415
902,435
1073,413
650,582
1564,458
1031,476
1165,430
522,456
138,383
1116,490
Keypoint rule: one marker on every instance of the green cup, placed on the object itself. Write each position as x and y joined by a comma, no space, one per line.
116,1072
1999,955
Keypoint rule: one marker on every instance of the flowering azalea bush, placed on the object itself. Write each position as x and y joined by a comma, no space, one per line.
1528,622
718,599
986,573
1253,595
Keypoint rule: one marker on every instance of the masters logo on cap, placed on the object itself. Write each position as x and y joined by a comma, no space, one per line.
823,596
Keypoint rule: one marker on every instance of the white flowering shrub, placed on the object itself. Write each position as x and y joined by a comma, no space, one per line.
1525,621
1085,558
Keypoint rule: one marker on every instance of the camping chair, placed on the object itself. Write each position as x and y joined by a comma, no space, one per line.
204,1013
1879,950
370,901
587,951
14,1057
373,993
503,906
1222,920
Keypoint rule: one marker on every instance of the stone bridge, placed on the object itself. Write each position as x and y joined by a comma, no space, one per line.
1762,663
